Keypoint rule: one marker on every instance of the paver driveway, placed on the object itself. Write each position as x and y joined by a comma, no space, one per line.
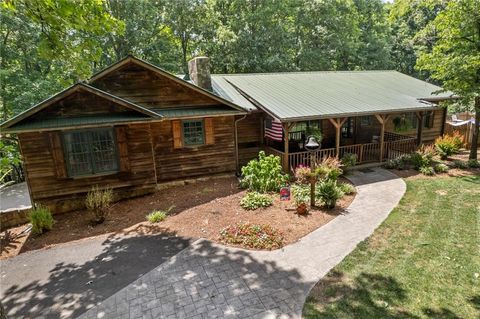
207,280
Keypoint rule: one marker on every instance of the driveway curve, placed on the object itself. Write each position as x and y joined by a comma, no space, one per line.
208,280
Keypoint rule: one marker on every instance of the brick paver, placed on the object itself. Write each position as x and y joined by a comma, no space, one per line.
208,280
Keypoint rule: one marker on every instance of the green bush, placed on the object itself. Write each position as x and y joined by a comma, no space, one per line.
300,193
303,174
460,164
156,216
98,202
441,168
423,157
41,219
349,160
399,163
473,163
254,200
329,192
329,169
447,145
263,175
347,189
427,170
252,236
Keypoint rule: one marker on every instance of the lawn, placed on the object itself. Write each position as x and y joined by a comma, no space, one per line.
422,262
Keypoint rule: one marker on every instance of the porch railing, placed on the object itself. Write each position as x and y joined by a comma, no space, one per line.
366,153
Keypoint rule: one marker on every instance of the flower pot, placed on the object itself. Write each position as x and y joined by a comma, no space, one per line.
302,209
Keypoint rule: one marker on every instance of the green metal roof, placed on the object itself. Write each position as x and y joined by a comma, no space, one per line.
65,122
196,111
303,95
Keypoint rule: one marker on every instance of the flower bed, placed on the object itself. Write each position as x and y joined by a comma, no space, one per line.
252,236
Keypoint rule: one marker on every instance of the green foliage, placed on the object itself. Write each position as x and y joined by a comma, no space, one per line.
460,164
441,168
427,170
10,161
303,174
41,219
156,216
399,163
423,156
329,168
263,175
454,58
300,193
255,200
98,202
473,163
347,188
447,145
328,192
252,236
349,160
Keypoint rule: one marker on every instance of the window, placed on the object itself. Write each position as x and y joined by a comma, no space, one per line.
347,128
428,120
193,132
366,120
405,122
89,152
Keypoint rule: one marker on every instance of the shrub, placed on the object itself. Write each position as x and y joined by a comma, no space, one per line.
349,160
329,192
441,168
460,164
457,140
41,219
252,236
423,156
329,169
98,202
347,189
303,174
399,163
263,175
473,163
156,216
254,200
427,170
300,193
448,145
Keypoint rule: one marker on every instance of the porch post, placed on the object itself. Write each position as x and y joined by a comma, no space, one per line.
337,123
383,120
420,116
285,144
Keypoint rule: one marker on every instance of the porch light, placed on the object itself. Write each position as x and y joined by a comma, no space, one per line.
312,145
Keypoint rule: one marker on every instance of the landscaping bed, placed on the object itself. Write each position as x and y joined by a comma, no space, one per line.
198,210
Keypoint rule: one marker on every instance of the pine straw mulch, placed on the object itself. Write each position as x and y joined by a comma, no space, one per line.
200,210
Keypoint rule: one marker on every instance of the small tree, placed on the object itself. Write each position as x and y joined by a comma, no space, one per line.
455,57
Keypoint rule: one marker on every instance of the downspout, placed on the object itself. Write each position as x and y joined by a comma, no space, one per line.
237,162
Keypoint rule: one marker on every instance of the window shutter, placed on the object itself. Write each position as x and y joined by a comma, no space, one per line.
209,131
57,155
121,135
177,134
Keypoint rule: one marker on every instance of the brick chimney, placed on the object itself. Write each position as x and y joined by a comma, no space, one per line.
199,71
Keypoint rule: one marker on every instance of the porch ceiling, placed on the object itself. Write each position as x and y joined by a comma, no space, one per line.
308,95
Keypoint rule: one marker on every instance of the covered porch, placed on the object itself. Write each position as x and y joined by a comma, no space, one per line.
372,138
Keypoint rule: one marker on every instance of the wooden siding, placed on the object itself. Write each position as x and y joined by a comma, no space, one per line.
186,162
63,194
150,89
80,104
428,134
250,139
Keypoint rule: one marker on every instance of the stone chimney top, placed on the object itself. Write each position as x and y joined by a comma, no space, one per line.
199,71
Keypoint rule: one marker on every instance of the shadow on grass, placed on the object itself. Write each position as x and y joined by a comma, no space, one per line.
366,296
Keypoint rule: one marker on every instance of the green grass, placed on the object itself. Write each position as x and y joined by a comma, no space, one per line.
422,262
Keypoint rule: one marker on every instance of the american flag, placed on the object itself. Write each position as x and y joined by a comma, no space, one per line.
273,129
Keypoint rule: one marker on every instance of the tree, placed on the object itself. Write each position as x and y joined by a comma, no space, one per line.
455,57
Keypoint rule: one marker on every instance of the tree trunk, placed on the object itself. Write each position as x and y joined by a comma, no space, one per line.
476,127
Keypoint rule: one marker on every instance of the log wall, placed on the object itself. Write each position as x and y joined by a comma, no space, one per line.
249,137
64,194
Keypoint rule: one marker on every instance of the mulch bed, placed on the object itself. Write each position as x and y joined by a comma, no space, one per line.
200,210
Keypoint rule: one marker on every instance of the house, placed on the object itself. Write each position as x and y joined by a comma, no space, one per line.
133,125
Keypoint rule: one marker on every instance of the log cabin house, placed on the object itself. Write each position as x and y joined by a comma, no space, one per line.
133,126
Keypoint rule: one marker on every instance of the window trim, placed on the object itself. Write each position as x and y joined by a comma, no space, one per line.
204,138
93,174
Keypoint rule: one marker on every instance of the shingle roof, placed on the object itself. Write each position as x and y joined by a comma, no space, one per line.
303,95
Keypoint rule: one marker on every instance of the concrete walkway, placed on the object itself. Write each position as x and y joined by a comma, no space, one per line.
15,197
207,280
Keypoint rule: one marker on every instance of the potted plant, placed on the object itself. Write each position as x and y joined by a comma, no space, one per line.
301,207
